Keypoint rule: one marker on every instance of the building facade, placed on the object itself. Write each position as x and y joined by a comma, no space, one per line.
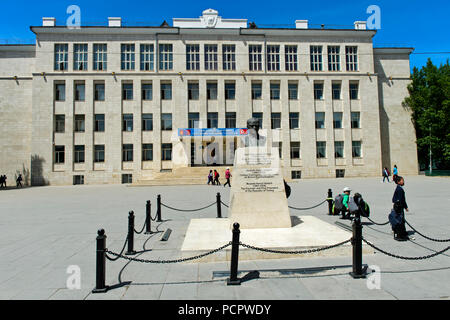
104,104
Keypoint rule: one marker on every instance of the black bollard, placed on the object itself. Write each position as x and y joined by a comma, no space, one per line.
233,279
330,202
219,206
130,250
100,286
148,217
158,208
358,271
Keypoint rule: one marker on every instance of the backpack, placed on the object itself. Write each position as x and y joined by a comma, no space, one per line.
352,205
395,219
362,206
338,203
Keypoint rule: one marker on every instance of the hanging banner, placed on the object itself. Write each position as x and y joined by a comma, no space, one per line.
216,132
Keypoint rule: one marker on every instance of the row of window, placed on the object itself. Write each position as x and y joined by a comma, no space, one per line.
210,57
211,91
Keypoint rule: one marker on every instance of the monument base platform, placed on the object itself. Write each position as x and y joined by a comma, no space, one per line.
307,232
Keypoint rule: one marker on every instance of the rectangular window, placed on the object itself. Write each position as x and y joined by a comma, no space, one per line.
59,154
295,150
147,57
61,56
256,90
255,57
275,120
334,59
274,91
193,120
127,91
356,149
293,91
78,180
259,117
165,56
229,57
166,151
99,153
316,58
336,90
127,122
354,90
147,152
230,120
318,90
78,156
351,58
147,91
192,57
80,57
340,173
293,120
147,122
296,174
127,56
210,56
99,125
320,120
273,58
60,91
127,178
230,90
60,123
213,120
100,57
193,91
79,91
211,90
355,120
339,149
166,121
337,120
321,149
79,123
291,58
166,91
127,152
99,92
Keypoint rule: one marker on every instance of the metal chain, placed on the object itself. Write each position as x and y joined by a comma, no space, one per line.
405,258
295,252
119,255
143,227
188,210
378,224
124,245
436,240
309,207
224,204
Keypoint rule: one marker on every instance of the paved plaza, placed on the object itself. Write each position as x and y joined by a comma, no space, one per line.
44,230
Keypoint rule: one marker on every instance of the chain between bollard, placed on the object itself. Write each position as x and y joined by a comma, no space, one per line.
188,210
309,207
143,227
295,252
435,240
378,224
224,204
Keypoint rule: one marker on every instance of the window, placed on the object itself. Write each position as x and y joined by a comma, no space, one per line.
339,149
166,151
259,117
147,57
354,88
273,58
293,90
291,58
318,90
127,152
147,91
166,121
274,91
256,91
336,90
337,120
255,57
230,90
351,58
147,152
60,123
127,91
316,58
230,120
60,91
320,120
211,90
127,56
166,91
147,122
78,156
127,122
99,92
127,178
321,149
356,149
276,120
78,180
213,120
340,173
293,120
80,57
210,56
79,123
165,57
61,57
192,57
334,60
296,174
59,154
193,120
295,150
99,153
100,57
355,120
229,57
193,91
99,125
79,91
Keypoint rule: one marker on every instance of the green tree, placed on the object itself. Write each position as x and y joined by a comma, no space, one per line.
429,101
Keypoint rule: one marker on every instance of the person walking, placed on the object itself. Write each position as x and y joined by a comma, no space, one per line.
227,176
19,181
4,181
216,177
385,174
210,177
1,181
394,173
397,215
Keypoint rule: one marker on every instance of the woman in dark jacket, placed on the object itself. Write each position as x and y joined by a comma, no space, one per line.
397,216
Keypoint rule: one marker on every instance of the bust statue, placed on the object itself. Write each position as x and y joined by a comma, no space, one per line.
253,138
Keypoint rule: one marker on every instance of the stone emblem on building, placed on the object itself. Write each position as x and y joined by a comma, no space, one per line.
210,18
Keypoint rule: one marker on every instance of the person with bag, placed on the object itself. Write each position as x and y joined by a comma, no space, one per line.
397,215
210,177
227,176
216,178
385,174
341,204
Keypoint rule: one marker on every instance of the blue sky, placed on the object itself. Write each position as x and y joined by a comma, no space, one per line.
423,25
